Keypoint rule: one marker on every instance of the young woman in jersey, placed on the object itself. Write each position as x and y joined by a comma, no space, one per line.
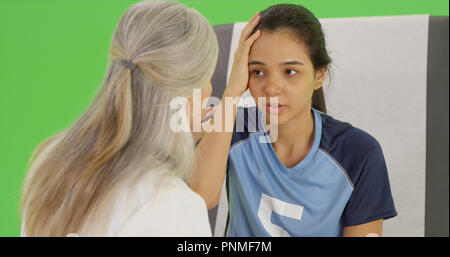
117,171
320,176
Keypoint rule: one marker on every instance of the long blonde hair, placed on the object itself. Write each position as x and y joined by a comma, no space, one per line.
125,132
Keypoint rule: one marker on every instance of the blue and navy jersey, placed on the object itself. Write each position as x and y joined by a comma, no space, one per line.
342,181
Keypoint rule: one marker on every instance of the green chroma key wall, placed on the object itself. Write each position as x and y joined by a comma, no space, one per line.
53,56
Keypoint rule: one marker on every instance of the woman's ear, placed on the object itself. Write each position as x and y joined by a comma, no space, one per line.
320,77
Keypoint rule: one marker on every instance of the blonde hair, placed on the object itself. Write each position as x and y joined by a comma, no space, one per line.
125,132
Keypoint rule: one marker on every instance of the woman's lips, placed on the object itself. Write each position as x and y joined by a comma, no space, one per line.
274,108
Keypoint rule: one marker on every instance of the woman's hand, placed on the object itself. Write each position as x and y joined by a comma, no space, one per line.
238,81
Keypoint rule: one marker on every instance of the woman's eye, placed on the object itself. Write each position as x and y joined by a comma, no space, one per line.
257,72
291,72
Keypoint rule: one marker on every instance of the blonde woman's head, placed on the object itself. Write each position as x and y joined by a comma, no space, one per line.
175,47
125,132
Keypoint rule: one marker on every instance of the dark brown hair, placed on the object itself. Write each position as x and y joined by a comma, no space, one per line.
308,29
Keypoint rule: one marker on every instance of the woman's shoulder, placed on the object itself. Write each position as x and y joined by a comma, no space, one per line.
173,210
357,152
342,136
176,188
159,187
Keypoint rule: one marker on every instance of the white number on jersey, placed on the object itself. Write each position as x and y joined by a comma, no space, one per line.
269,204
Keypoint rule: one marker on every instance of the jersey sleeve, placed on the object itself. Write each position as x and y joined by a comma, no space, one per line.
371,198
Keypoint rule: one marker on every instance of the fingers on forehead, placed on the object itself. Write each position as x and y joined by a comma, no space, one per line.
251,25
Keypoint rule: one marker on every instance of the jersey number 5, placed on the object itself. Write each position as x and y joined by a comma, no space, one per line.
269,204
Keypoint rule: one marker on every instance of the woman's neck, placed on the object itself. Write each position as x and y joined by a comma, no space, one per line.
296,134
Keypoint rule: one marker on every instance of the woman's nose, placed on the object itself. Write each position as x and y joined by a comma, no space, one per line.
273,87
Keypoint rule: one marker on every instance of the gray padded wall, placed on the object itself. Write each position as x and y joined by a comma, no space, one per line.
219,80
437,168
390,78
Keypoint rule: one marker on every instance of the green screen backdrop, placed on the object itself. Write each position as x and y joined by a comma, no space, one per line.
53,56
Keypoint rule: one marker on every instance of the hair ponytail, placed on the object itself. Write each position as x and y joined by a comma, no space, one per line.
318,100
111,122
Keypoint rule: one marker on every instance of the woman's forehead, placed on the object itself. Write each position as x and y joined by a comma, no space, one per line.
279,46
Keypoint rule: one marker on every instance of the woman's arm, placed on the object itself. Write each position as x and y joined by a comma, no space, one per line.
369,229
212,152
211,157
